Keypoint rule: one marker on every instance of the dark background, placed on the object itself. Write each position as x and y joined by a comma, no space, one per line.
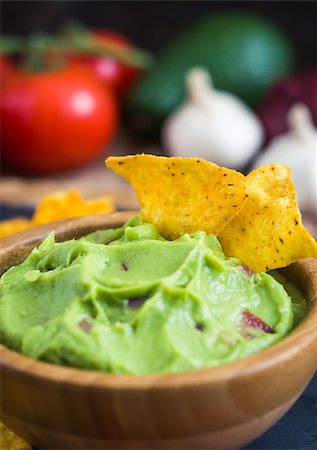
151,24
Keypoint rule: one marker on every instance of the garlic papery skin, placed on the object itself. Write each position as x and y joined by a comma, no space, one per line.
213,125
298,150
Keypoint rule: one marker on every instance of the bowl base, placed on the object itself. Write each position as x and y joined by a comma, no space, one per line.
228,439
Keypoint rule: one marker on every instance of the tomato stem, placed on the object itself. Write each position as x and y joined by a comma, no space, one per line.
38,56
74,40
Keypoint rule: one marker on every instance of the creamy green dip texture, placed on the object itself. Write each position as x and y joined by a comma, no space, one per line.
127,301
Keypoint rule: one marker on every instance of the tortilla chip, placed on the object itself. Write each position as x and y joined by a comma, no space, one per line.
12,226
100,205
182,195
11,441
268,232
57,206
68,204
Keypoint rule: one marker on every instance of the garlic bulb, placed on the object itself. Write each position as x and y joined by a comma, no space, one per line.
298,150
213,125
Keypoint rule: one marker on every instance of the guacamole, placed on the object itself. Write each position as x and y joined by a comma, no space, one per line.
128,301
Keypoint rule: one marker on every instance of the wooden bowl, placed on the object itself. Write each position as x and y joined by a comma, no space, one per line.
224,407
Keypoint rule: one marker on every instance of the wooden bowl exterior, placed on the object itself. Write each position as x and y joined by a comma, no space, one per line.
224,407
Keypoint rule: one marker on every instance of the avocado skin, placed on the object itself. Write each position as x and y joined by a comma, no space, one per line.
221,43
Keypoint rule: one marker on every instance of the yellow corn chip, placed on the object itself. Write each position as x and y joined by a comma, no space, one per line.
67,204
11,441
182,195
268,232
12,226
100,205
57,206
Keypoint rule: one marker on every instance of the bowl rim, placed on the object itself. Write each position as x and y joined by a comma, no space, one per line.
303,335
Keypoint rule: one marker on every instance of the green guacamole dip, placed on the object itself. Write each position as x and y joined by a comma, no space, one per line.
127,301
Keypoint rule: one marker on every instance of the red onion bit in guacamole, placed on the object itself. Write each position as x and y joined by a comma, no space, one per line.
200,327
246,269
123,267
250,320
136,302
85,325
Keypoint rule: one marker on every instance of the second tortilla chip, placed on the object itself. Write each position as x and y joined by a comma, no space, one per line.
182,195
268,232
12,226
67,204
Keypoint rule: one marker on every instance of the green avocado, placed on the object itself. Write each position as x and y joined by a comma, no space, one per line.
244,53
129,301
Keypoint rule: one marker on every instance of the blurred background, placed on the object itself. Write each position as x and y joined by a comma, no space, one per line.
152,25
232,82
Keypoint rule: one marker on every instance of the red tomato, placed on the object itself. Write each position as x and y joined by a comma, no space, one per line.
6,68
55,120
113,73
